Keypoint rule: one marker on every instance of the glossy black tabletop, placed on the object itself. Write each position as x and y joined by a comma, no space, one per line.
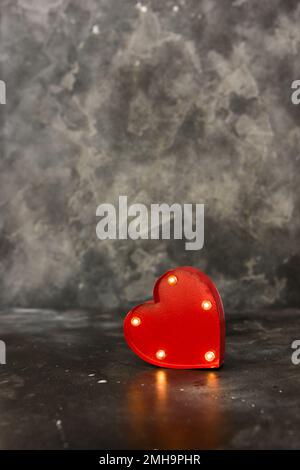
70,381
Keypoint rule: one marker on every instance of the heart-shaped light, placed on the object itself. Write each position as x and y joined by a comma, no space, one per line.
183,327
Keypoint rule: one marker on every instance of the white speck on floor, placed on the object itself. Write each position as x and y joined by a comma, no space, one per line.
175,8
102,381
60,429
59,424
92,375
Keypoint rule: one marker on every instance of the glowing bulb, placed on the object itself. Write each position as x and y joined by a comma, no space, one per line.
209,356
135,321
172,280
160,354
206,305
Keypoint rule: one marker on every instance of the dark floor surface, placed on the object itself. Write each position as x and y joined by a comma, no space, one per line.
71,382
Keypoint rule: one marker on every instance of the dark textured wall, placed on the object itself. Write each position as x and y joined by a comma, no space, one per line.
184,101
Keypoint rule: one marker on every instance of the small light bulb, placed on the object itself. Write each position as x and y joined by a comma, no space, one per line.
135,321
160,354
172,280
206,305
209,356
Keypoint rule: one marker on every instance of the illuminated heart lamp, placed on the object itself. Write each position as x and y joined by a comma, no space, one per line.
183,327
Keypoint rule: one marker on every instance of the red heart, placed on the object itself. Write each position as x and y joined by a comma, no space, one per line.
183,327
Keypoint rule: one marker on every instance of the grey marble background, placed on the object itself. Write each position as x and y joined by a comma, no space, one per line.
163,101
